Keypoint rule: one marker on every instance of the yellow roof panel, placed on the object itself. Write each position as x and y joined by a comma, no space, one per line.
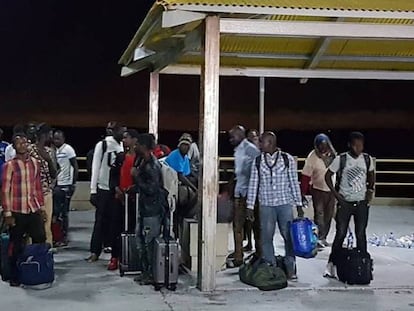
372,5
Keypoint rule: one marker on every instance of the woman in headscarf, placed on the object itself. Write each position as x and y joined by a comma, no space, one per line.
313,182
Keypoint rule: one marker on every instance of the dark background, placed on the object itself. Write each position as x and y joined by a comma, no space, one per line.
58,63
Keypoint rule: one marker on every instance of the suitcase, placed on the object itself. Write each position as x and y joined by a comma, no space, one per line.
57,231
4,257
130,261
354,267
35,266
166,261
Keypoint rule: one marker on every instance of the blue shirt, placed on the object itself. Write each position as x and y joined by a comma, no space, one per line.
180,163
244,155
3,146
279,184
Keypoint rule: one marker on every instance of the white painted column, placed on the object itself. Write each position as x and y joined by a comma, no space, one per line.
262,105
153,104
209,132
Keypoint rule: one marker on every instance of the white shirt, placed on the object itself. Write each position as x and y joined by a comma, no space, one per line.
353,186
63,155
101,164
316,169
9,153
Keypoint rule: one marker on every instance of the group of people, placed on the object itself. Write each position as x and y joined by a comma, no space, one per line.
38,177
39,174
125,166
267,190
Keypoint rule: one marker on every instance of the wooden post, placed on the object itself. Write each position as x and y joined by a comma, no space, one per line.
261,105
209,130
153,104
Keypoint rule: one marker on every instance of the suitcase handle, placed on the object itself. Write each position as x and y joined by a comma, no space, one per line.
126,212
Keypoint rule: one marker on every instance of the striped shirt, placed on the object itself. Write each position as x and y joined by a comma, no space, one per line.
279,184
21,189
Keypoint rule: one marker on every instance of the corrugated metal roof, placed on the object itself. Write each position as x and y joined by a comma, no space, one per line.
273,52
372,5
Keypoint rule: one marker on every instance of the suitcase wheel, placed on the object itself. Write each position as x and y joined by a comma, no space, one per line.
172,287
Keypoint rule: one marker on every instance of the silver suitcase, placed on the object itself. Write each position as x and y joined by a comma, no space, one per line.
166,261
130,261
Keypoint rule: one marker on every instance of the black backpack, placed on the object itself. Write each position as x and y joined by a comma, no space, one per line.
342,164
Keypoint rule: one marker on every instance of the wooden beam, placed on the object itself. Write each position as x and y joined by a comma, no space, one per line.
261,105
153,103
209,130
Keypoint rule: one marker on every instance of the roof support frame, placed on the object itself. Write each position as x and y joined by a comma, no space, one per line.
295,73
295,11
179,17
314,29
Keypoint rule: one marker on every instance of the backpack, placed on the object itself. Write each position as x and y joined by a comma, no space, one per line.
342,164
170,183
89,157
284,156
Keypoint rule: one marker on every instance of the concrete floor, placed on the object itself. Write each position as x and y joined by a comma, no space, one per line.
80,286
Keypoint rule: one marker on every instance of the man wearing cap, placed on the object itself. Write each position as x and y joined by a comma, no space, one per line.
313,181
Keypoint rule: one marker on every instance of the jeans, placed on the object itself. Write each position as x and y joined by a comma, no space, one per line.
239,221
324,206
26,224
101,235
61,205
269,216
360,211
118,223
148,229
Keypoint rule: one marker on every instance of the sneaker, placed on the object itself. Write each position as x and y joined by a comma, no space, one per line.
92,258
14,283
293,277
330,271
325,243
113,264
107,250
320,245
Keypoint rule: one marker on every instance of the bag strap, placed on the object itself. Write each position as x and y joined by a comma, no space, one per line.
285,159
367,159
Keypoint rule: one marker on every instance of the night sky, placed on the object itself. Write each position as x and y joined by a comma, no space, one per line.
59,64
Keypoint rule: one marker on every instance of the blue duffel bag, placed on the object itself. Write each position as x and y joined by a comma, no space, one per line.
36,266
304,239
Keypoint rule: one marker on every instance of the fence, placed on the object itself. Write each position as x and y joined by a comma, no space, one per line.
395,177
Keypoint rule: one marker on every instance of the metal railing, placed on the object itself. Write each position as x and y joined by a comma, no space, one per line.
387,176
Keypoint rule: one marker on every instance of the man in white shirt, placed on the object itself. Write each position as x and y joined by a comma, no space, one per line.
313,182
65,182
355,188
104,158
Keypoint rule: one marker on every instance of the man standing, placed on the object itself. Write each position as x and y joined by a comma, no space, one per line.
244,154
152,203
356,184
23,202
122,182
65,183
104,158
313,175
48,172
275,182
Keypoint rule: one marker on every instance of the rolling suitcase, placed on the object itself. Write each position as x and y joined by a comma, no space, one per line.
4,257
166,261
130,261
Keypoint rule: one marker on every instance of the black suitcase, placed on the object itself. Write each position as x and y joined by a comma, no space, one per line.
130,261
354,267
4,257
166,259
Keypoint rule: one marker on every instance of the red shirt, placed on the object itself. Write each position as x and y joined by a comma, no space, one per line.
22,189
126,177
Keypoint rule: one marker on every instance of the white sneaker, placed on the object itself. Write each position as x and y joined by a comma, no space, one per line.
330,271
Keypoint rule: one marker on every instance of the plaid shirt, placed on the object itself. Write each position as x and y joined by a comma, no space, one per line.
279,185
21,189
